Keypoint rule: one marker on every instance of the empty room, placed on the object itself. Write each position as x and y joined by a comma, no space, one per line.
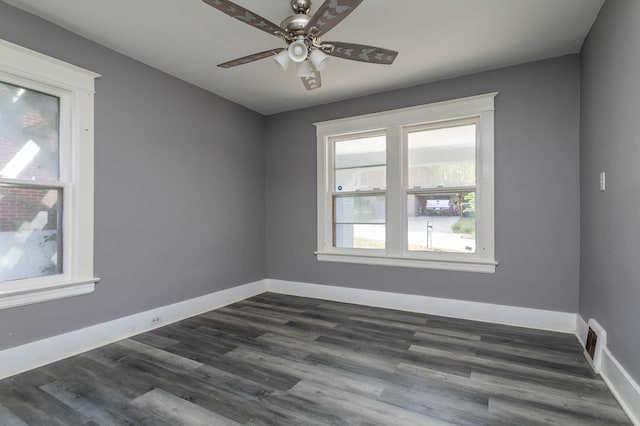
319,212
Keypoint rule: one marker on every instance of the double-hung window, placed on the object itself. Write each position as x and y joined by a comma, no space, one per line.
410,187
46,178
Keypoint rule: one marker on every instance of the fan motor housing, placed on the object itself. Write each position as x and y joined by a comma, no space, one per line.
296,24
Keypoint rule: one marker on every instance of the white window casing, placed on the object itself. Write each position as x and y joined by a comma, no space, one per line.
74,87
476,109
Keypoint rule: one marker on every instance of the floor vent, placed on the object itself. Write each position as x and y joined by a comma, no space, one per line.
595,342
590,346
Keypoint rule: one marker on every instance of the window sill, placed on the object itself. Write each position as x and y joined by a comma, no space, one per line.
487,267
11,298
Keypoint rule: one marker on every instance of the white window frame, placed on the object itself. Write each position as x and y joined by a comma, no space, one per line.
394,123
74,87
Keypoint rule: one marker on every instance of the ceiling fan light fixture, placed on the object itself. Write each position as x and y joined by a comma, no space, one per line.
302,33
303,69
283,59
298,51
319,59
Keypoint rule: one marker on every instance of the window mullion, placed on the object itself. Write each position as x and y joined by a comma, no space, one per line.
325,202
395,206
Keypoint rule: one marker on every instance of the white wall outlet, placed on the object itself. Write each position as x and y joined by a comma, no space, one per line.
156,320
603,181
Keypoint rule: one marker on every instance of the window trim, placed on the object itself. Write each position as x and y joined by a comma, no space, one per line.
394,122
75,88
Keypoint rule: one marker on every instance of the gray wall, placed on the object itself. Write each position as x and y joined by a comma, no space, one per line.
610,270
179,193
537,191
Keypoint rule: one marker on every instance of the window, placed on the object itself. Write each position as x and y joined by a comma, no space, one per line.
46,178
410,187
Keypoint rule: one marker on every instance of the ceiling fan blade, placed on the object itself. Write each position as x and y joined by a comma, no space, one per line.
251,58
312,82
329,14
245,16
362,53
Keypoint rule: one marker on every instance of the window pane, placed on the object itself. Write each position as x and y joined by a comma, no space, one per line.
29,132
443,157
361,178
30,232
447,229
367,151
360,236
365,209
359,222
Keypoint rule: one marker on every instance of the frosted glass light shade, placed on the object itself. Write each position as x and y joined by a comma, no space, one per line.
304,69
283,59
298,51
319,59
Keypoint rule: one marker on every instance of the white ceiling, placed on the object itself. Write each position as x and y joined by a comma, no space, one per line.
436,39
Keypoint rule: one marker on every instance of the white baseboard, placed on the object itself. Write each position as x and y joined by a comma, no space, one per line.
500,314
622,385
31,355
624,388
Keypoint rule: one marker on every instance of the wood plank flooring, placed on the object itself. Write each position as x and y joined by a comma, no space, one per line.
283,360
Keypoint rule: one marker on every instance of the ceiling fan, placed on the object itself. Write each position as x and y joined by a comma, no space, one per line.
301,32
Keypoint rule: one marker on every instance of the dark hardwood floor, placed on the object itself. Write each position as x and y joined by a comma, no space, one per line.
283,360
